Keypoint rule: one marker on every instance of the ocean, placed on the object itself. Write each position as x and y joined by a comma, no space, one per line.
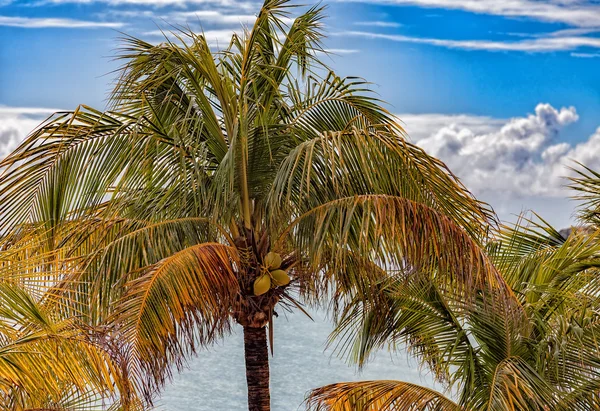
215,380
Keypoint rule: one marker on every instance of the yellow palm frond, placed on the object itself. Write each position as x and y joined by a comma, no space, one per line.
384,395
184,300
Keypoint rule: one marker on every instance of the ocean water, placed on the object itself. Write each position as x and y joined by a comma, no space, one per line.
215,380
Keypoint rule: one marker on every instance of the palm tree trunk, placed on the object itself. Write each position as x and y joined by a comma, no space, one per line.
257,368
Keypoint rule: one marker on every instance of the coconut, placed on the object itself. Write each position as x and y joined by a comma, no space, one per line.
280,277
262,284
272,260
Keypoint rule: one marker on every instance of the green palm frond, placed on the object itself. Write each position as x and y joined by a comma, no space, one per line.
410,310
341,164
586,184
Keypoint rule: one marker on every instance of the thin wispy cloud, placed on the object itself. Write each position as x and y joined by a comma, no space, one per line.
386,24
576,13
579,13
42,22
213,37
514,34
537,45
580,31
218,17
212,16
585,55
159,3
342,51
175,16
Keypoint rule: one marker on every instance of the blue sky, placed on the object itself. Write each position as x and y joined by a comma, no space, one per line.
507,92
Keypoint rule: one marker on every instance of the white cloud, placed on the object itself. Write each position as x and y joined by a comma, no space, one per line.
37,23
512,158
218,17
341,51
213,16
161,3
576,13
26,111
571,32
585,55
16,123
213,37
242,14
516,164
421,126
219,37
387,24
544,44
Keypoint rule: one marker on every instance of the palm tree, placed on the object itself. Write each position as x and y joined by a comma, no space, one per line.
483,358
219,188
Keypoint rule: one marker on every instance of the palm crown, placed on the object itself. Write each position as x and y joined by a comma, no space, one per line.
548,360
156,216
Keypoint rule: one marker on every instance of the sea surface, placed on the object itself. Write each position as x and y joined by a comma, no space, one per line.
215,379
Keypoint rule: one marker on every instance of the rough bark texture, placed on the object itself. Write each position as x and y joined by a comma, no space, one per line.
257,368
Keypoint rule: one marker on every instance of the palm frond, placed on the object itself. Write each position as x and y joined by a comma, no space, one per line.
340,164
43,358
409,310
385,395
183,301
515,385
397,232
586,184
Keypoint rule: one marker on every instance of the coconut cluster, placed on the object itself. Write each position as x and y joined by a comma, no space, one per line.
272,275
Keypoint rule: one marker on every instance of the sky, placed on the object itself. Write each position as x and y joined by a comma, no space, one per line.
506,92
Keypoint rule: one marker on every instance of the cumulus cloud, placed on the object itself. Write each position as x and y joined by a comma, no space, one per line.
517,157
421,126
16,123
